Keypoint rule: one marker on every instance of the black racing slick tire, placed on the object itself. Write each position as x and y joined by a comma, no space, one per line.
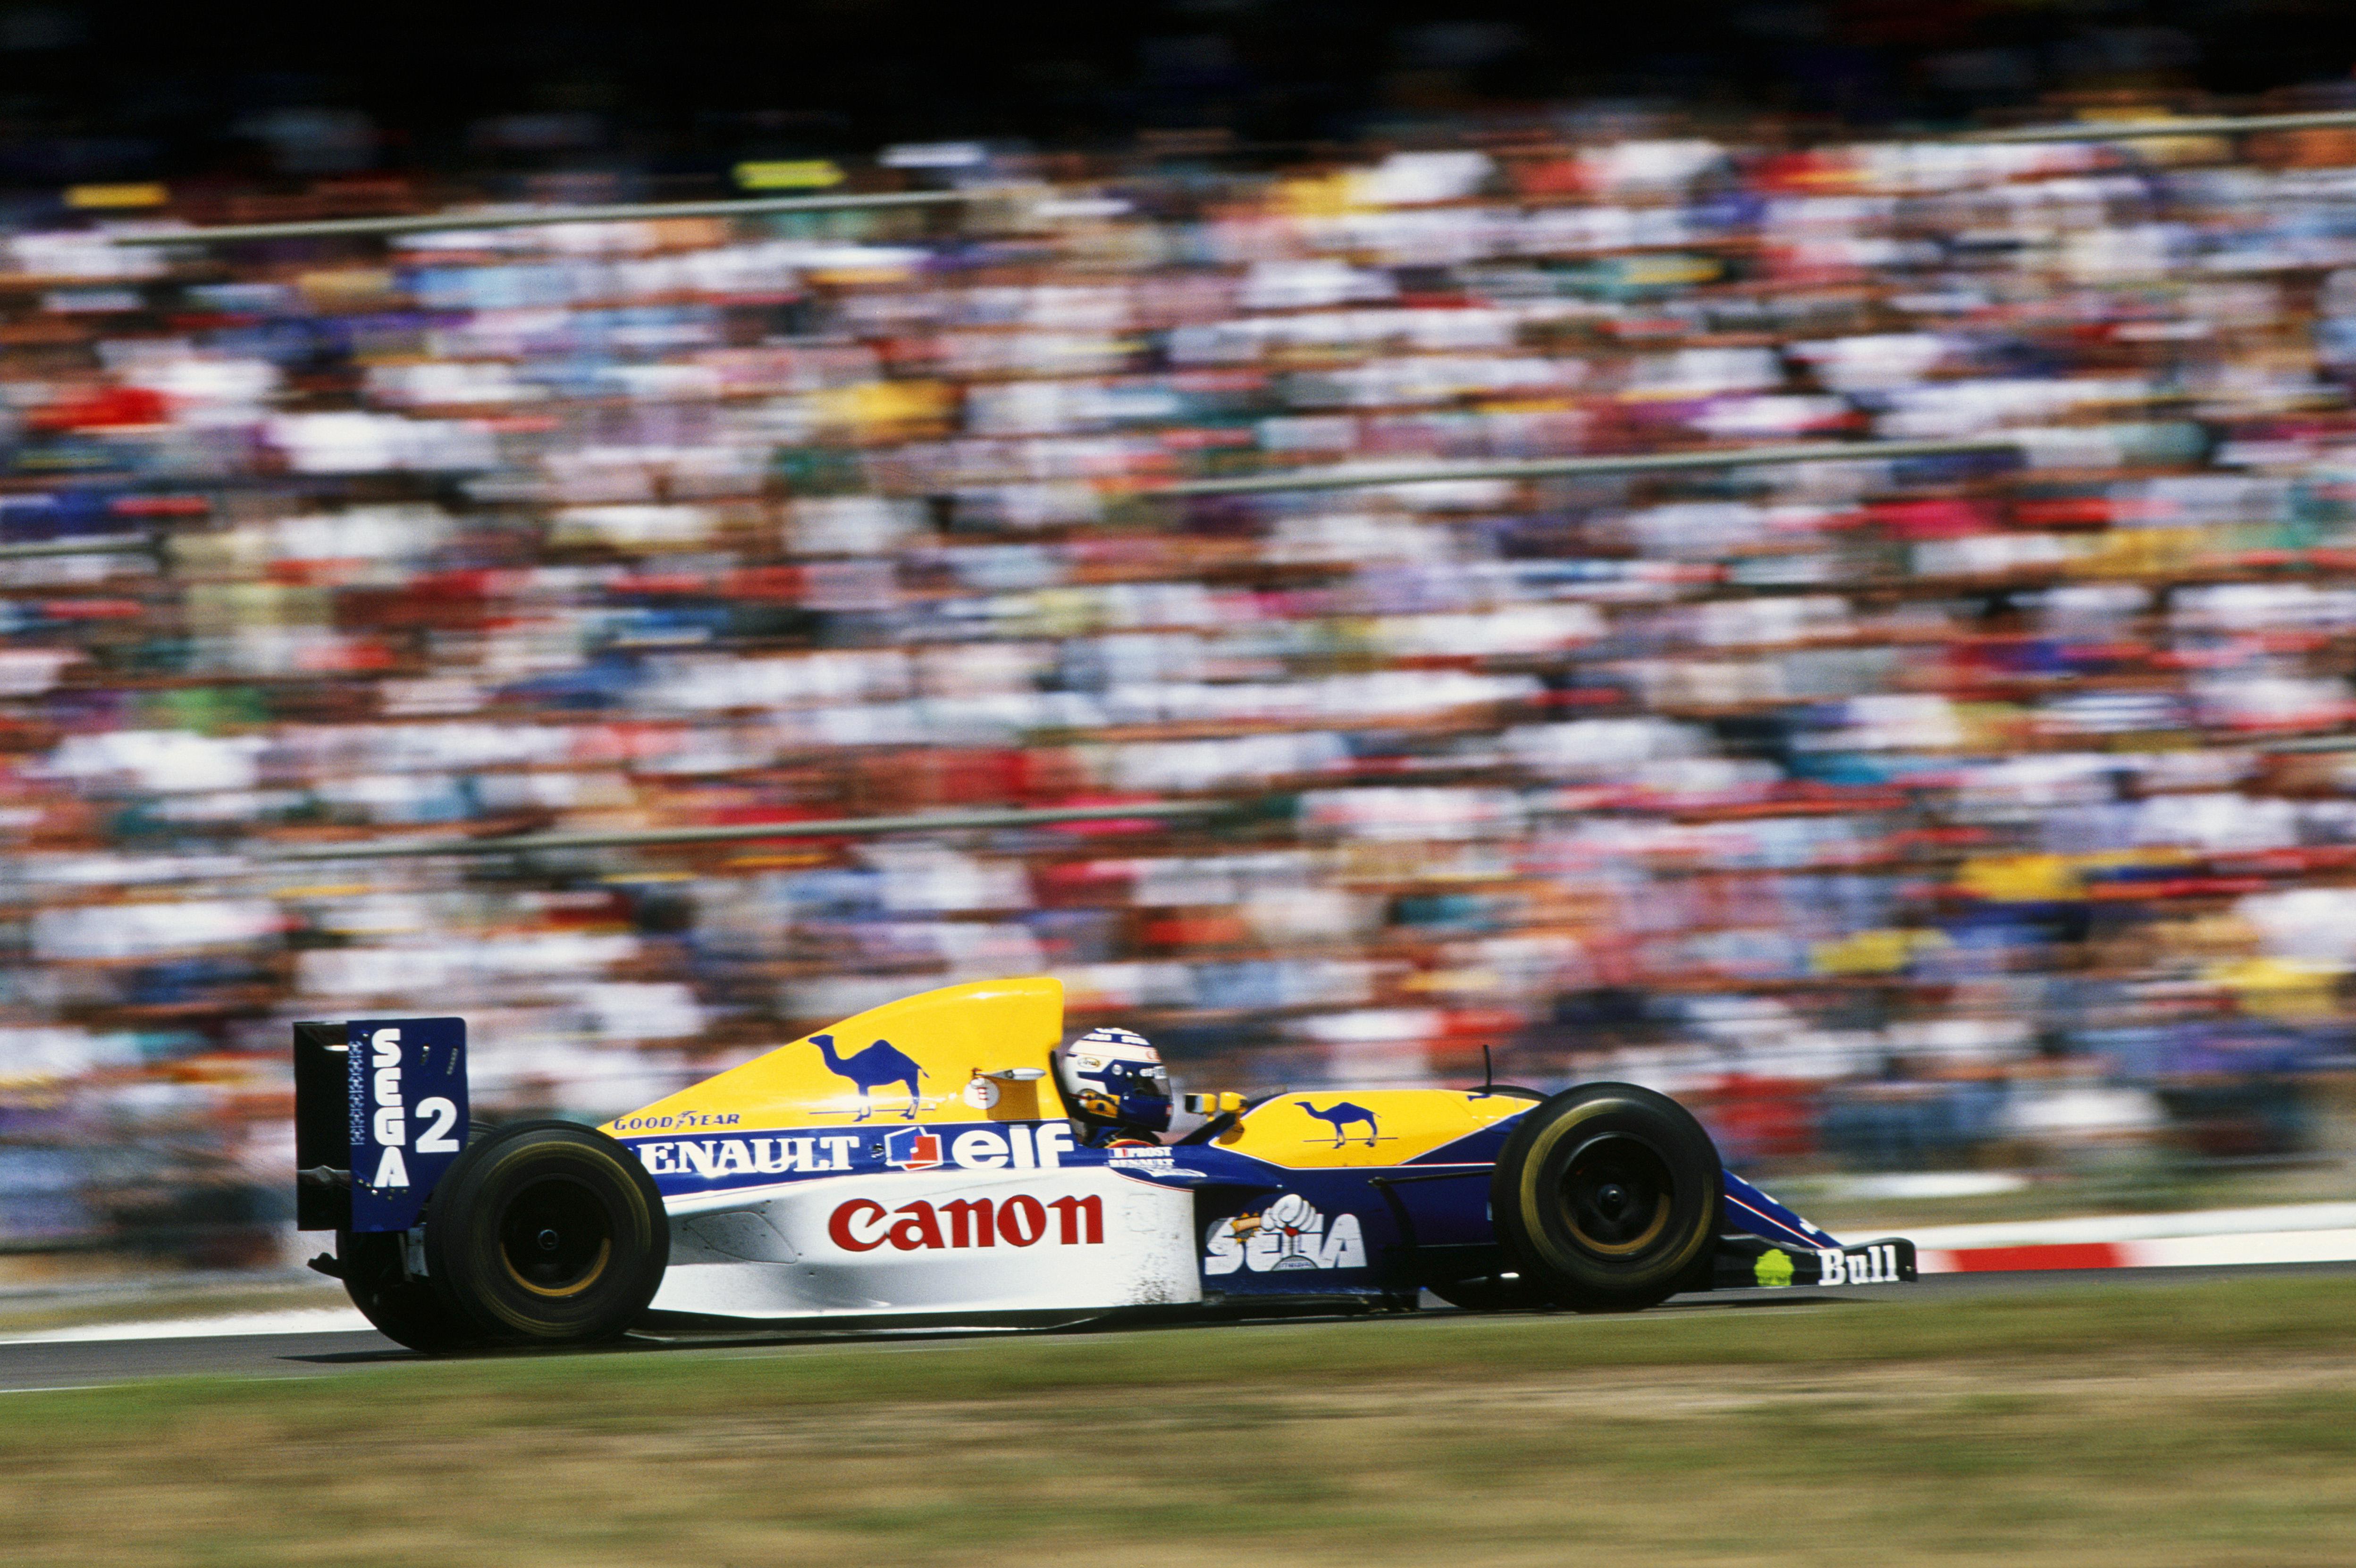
1491,1293
1606,1197
547,1233
406,1311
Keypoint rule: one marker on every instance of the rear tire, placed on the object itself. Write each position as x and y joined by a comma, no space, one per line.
407,1311
547,1233
1491,1293
1606,1197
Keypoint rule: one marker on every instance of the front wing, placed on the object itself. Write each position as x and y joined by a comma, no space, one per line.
1751,1263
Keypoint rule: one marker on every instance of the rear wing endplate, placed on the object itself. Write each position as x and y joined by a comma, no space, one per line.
379,1112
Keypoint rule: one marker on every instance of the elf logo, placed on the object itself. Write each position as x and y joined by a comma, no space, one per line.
1012,1145
913,1149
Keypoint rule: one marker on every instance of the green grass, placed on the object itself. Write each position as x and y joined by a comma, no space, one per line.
2207,1423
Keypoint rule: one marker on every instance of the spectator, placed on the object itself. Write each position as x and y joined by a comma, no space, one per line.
1826,790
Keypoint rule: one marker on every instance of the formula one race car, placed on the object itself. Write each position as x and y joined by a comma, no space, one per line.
925,1172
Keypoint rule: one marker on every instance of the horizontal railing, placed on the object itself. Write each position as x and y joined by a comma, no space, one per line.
539,217
2138,130
100,545
651,838
1351,477
623,213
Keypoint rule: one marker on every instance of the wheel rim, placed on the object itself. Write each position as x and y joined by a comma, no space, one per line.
555,1238
1617,1195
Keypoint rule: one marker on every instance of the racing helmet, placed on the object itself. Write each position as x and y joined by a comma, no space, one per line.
1114,1078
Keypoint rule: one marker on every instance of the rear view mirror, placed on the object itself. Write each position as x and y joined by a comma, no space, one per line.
1018,1074
1213,1104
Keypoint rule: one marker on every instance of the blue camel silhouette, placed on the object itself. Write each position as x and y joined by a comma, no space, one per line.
878,1065
1343,1115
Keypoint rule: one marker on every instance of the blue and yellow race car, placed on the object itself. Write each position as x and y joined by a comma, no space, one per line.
916,1166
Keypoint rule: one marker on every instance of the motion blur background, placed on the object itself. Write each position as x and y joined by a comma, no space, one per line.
1961,836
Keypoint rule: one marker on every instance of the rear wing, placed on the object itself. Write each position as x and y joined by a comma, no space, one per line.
379,1112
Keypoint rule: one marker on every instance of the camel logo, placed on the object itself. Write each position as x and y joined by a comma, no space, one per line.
1289,1233
1341,1118
880,1064
913,1149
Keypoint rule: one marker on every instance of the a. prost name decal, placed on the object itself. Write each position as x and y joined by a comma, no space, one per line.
1018,1219
1153,1160
1002,1146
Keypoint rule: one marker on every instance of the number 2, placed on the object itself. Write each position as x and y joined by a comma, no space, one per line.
436,1139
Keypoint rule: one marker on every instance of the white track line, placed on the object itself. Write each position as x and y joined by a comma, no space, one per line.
2259,1247
2095,1228
302,1320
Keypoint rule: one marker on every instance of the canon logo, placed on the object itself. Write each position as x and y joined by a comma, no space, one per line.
862,1224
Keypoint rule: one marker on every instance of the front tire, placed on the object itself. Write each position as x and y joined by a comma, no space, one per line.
547,1233
1606,1197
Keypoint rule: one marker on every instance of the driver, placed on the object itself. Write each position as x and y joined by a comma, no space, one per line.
1116,1087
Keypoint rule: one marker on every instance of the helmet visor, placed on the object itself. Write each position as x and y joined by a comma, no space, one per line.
1145,1098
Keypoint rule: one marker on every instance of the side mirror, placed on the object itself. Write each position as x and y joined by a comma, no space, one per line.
1018,1074
1213,1104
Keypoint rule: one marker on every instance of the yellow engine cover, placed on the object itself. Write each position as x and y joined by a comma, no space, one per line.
921,1058
1312,1129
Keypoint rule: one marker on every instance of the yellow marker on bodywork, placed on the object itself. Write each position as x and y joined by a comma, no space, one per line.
924,1057
1307,1130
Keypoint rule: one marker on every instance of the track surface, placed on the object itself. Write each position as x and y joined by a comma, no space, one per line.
89,1364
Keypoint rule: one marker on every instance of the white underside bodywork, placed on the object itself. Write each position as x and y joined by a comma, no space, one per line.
929,1242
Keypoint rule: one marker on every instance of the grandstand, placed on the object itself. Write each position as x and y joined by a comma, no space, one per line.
1367,557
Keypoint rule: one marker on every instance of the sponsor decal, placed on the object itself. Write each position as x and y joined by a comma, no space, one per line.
1774,1267
1874,1265
388,1127
682,1121
1015,1145
879,1065
408,1113
712,1158
388,1123
1289,1233
1341,1118
1019,1220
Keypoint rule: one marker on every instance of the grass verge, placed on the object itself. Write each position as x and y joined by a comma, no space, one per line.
2208,1423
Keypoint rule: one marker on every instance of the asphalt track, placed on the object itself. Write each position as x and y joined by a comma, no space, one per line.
27,1368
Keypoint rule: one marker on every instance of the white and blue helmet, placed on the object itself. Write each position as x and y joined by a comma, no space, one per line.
1114,1078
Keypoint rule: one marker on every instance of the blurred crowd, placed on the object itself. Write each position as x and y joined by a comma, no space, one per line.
1982,812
